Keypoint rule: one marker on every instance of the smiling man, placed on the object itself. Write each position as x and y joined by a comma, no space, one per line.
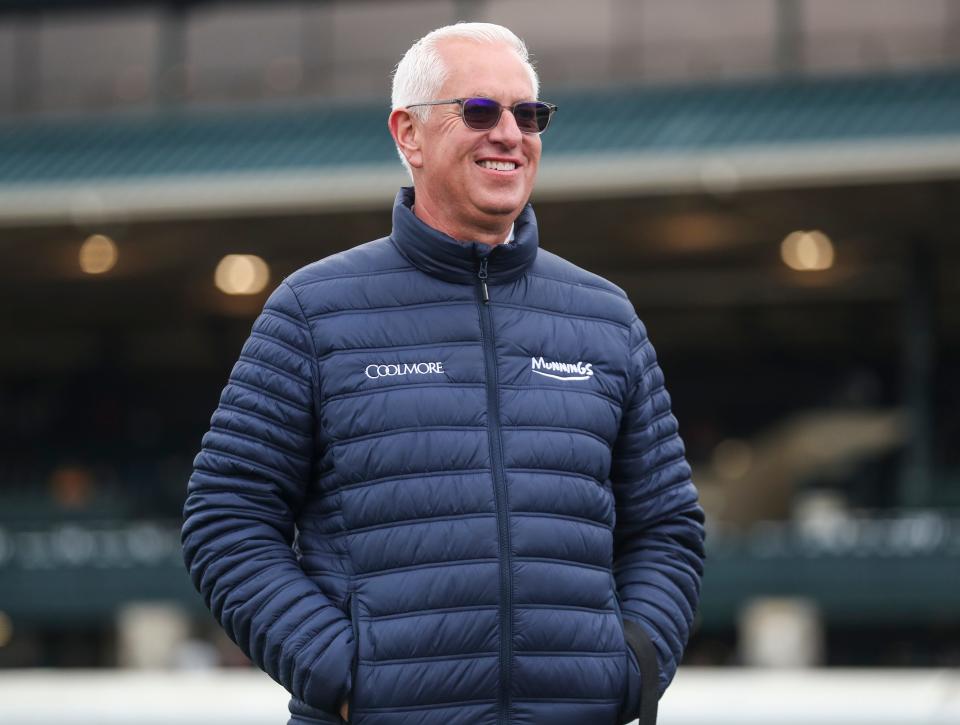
444,483
469,185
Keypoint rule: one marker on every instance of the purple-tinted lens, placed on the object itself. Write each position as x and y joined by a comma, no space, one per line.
481,114
532,117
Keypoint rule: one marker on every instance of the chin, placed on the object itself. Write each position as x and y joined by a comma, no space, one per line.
501,204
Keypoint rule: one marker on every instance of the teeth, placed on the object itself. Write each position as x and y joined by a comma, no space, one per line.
498,165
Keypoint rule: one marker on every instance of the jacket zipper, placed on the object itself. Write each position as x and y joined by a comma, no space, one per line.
482,274
500,491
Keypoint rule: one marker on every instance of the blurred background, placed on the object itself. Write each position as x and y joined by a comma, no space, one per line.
775,183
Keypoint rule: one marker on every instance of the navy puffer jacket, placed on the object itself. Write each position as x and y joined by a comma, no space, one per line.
444,482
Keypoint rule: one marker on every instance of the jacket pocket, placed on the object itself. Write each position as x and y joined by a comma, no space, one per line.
354,664
633,684
623,639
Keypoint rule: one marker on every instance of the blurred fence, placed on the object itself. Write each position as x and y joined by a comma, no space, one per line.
869,571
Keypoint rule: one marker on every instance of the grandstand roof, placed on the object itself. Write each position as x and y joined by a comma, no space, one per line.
770,132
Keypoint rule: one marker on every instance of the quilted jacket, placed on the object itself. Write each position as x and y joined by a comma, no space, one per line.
444,482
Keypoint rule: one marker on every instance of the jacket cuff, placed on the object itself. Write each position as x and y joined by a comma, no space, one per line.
329,681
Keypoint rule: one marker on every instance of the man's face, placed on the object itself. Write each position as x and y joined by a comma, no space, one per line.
453,174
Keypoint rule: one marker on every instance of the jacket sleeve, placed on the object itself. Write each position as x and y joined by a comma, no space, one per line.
659,532
249,480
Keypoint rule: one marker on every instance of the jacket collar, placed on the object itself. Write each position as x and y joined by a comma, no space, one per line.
449,259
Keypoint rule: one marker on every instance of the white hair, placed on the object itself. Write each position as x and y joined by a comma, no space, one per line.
420,74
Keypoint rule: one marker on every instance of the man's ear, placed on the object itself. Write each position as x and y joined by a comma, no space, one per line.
407,134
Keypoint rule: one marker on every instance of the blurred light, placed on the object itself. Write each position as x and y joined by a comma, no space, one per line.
150,633
71,486
241,274
807,251
784,632
6,629
732,458
696,231
98,254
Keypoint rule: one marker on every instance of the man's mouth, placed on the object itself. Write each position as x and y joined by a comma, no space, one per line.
497,165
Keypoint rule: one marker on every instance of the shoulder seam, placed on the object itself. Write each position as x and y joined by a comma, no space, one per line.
618,295
313,345
375,273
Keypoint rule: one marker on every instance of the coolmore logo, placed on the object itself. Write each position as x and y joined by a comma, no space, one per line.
561,370
393,370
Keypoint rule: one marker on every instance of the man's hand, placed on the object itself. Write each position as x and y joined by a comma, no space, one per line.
344,711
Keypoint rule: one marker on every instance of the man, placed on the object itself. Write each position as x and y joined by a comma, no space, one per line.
444,483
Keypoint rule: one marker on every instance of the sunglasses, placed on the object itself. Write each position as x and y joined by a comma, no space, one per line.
482,114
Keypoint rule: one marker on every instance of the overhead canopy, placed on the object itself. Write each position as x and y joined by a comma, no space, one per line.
718,137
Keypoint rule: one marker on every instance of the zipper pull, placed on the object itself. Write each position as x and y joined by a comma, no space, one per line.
482,274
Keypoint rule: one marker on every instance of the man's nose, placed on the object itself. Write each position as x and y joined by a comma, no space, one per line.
506,131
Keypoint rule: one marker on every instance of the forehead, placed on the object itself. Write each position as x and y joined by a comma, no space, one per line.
489,69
